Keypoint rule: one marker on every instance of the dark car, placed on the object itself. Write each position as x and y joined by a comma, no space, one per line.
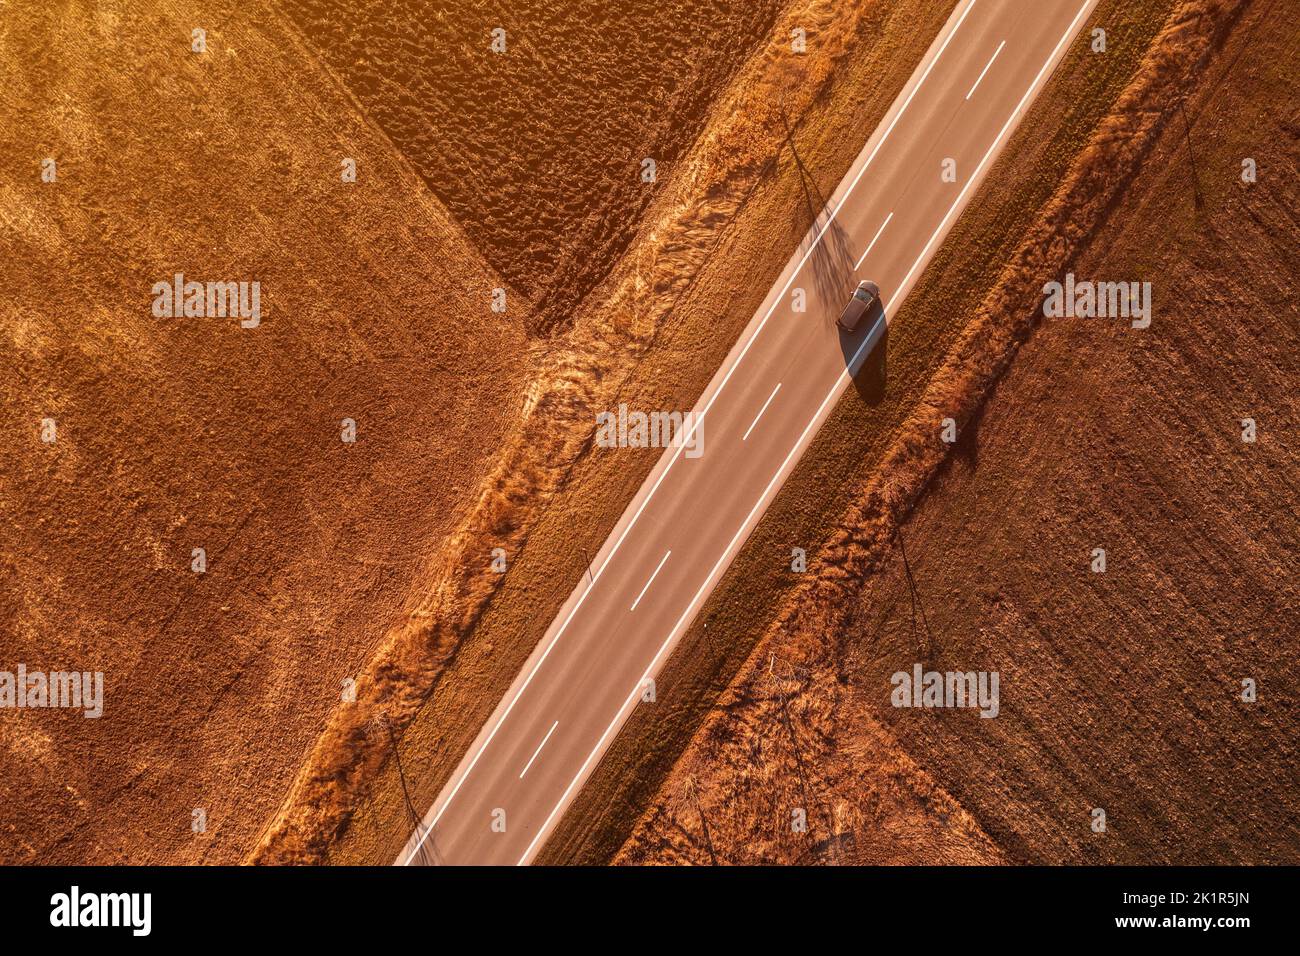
864,297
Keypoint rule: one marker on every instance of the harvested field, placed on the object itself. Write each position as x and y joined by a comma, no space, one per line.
179,433
537,150
1120,690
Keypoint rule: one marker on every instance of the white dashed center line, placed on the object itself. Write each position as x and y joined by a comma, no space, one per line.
873,241
538,750
651,581
986,68
761,411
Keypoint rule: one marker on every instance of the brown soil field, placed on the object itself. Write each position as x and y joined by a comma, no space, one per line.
537,150
652,333
182,433
1120,690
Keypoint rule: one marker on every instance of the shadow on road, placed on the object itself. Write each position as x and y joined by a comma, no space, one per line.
831,262
834,281
866,356
831,258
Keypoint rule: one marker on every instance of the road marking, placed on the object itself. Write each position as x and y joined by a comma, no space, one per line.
651,581
696,422
873,242
1002,132
761,411
840,381
986,69
538,750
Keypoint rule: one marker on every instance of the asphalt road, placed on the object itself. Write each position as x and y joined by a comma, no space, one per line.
757,416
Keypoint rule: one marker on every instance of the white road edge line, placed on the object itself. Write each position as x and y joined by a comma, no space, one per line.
843,378
662,562
872,243
538,750
697,420
760,412
986,69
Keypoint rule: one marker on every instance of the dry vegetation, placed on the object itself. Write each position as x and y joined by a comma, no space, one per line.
327,563
1120,690
538,152
174,434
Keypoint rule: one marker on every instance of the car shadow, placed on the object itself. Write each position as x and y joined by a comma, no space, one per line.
865,355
